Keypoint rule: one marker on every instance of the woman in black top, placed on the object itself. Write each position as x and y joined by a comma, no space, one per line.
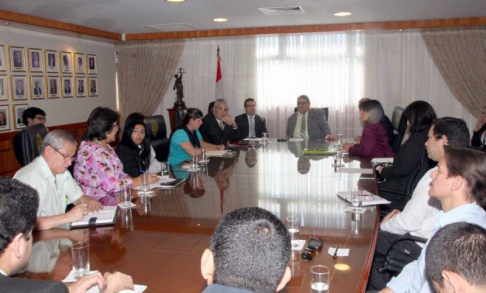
479,133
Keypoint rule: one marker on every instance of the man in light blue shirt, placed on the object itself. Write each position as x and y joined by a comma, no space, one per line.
458,184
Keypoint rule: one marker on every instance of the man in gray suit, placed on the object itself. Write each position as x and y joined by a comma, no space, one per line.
307,122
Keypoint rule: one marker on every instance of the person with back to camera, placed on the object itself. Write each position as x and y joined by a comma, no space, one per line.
98,169
479,133
374,140
186,141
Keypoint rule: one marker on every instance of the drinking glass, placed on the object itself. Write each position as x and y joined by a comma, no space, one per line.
165,171
193,163
355,199
264,137
293,225
127,196
340,138
320,279
204,155
80,251
145,186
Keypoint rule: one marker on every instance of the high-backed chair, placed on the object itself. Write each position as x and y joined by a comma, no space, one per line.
399,123
158,136
28,142
325,109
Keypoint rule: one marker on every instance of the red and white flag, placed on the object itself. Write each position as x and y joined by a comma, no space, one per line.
219,79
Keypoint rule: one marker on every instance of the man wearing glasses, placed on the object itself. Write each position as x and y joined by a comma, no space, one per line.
33,116
48,175
219,128
307,122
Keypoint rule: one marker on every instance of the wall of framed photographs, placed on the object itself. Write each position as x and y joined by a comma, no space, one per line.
67,77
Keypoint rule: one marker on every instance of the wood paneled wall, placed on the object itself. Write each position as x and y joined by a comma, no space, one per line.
8,161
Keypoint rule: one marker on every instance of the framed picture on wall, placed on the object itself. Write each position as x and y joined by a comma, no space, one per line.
4,118
92,66
17,59
66,62
81,87
38,87
20,90
52,61
18,111
93,86
67,87
53,85
36,60
3,60
80,63
3,88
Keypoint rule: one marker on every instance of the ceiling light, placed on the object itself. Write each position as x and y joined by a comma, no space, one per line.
344,13
175,0
220,19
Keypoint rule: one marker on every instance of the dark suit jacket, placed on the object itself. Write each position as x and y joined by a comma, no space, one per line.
37,91
317,126
19,92
244,127
212,133
15,285
476,139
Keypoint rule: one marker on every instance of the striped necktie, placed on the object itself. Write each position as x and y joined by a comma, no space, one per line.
252,127
221,125
302,127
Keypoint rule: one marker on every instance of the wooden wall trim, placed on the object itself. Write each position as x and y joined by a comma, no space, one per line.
48,23
392,25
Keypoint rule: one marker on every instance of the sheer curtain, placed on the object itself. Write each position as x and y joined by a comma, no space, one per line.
399,70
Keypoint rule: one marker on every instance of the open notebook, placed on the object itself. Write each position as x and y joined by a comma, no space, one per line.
105,216
368,200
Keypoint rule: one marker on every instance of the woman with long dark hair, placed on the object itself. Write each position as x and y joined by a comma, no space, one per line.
186,141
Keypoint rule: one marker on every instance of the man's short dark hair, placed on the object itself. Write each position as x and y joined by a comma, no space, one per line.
470,164
459,248
454,129
18,210
31,113
251,249
249,100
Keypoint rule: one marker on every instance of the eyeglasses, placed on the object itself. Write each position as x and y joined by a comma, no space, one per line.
40,118
66,157
221,108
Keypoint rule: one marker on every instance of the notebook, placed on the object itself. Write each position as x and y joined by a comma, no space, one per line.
368,200
106,216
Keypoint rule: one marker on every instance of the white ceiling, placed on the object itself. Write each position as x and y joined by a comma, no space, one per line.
129,16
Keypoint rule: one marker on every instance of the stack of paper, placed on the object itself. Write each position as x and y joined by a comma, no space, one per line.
103,217
215,153
368,200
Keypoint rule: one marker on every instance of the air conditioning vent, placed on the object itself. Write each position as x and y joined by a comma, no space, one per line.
282,10
170,27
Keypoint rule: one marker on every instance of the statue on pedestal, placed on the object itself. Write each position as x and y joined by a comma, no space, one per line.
179,88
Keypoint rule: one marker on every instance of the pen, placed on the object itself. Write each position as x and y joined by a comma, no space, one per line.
335,252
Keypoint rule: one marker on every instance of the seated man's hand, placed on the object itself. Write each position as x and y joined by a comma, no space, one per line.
94,206
78,212
117,282
357,139
82,285
347,146
330,137
390,215
153,178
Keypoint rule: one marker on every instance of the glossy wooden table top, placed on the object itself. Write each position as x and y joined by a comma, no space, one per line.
160,242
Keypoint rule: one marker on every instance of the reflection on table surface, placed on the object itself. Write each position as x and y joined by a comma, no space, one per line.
161,240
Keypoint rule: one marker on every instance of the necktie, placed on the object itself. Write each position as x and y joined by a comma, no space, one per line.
252,127
221,125
302,127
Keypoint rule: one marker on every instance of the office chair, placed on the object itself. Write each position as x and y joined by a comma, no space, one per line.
158,136
28,142
399,123
325,109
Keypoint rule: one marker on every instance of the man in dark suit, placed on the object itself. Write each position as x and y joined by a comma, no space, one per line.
307,122
37,89
18,213
218,127
250,124
67,86
19,89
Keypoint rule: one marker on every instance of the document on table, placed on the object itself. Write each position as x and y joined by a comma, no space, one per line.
254,139
368,200
295,139
215,153
355,170
136,288
162,183
377,161
102,217
340,252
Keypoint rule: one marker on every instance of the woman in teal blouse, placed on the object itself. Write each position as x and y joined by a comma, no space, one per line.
186,141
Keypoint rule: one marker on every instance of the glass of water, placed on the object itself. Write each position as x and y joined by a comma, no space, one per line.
320,279
127,196
165,170
194,163
204,155
355,199
80,252
264,137
145,186
293,225
339,138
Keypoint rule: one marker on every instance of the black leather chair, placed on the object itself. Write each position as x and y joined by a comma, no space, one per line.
158,136
325,109
28,142
399,123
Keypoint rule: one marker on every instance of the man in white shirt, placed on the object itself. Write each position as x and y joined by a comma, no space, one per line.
419,215
250,124
458,183
48,175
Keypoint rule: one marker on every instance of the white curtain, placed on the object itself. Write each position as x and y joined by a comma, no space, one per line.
399,70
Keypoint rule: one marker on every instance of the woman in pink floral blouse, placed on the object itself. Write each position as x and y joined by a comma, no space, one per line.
98,169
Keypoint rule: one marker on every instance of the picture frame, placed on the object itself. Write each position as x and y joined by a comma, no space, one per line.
38,87
36,60
81,87
20,89
17,59
93,86
66,62
53,88
3,88
18,111
3,60
92,64
80,60
4,118
52,61
67,87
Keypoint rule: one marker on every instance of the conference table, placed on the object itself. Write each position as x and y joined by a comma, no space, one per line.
160,241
